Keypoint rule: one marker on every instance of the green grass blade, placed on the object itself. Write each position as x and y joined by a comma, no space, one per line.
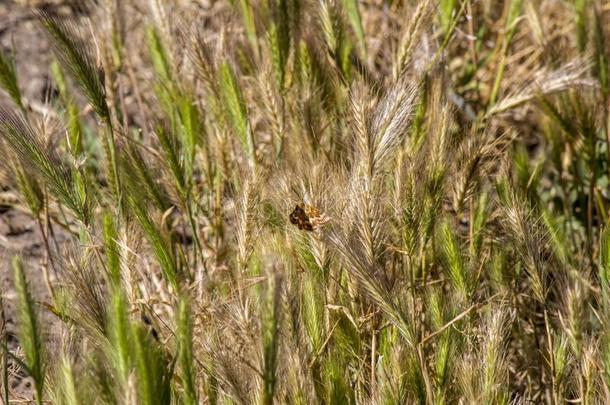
235,108
76,59
111,249
47,164
8,80
185,353
152,369
120,338
161,247
68,388
456,269
355,19
30,335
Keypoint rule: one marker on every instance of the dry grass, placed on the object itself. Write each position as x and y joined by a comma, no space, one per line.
457,162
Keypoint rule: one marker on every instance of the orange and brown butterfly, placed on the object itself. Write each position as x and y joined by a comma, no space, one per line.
307,217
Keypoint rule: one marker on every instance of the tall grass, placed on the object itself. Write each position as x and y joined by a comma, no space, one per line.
452,159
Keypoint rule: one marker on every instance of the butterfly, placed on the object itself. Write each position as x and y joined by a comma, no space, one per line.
307,217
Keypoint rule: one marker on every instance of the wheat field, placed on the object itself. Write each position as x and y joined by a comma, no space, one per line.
309,202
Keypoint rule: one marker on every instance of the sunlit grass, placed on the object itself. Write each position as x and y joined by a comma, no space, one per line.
452,159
